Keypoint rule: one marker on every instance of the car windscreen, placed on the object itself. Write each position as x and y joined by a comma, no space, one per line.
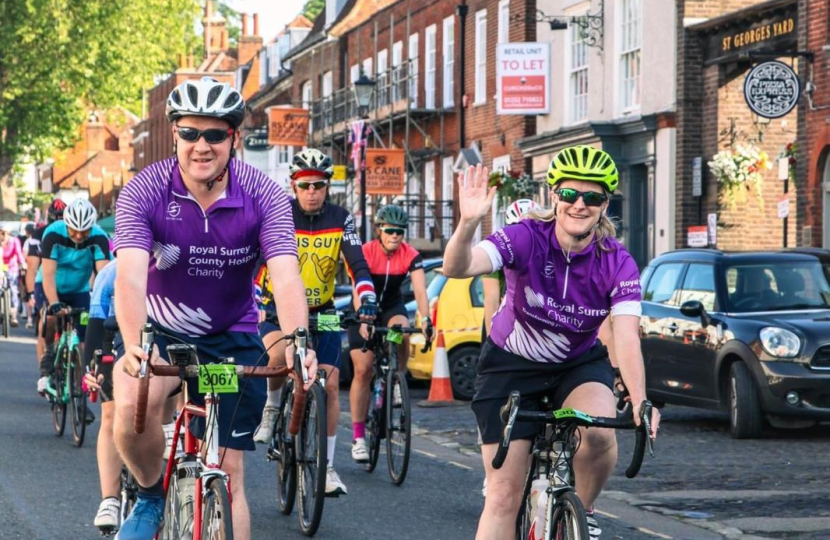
778,286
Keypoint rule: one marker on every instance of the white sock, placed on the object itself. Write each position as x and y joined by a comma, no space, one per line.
273,398
330,449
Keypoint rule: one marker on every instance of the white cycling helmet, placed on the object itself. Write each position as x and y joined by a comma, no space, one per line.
206,97
518,209
80,215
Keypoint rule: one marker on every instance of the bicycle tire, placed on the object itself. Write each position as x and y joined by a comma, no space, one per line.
311,444
77,396
398,427
566,518
374,420
216,511
58,403
286,462
7,313
178,512
524,519
129,491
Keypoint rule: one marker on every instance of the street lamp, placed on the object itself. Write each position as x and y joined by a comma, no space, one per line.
363,88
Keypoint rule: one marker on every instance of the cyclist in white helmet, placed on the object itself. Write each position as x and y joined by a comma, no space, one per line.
72,249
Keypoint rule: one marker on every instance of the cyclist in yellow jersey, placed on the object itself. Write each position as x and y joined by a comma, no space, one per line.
325,232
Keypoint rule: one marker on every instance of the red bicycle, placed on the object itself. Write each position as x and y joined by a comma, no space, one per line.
197,491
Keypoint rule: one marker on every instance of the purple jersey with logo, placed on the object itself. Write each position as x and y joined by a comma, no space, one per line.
552,309
202,263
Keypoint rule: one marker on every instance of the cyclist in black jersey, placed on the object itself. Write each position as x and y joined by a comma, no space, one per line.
390,260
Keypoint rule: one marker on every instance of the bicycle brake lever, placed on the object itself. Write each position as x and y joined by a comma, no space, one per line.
645,420
301,343
147,346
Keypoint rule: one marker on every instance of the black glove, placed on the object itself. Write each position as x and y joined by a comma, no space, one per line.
428,328
55,308
368,308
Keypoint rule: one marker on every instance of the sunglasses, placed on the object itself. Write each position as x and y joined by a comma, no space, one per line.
212,136
393,230
318,185
590,198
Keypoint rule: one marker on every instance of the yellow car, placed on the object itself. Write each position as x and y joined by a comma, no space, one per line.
457,309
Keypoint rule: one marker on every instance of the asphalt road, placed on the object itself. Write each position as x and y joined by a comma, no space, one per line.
702,486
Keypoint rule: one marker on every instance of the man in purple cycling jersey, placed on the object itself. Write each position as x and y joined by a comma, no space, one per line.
190,230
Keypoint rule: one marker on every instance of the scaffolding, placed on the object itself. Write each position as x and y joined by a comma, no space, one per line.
397,109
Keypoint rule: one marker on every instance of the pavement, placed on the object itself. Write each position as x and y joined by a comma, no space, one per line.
702,485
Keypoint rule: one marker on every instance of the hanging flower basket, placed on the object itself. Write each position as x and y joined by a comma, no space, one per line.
513,185
791,153
739,171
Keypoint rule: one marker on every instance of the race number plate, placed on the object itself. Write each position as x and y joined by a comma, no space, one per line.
328,323
84,318
218,378
571,413
393,336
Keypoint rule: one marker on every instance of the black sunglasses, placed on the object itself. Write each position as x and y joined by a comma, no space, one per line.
212,136
393,230
318,185
590,198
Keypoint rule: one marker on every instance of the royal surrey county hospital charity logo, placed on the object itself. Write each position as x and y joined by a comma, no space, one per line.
772,89
173,209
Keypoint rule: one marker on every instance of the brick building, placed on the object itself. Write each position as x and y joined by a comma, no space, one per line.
718,43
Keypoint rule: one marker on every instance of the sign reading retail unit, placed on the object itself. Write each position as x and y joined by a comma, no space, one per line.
385,171
772,89
523,78
287,127
698,236
783,207
257,141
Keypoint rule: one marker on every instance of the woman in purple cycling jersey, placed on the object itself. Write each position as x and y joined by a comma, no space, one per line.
566,276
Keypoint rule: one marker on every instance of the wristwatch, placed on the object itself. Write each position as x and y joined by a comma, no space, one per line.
424,319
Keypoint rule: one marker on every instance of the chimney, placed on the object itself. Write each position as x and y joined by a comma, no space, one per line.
208,9
224,43
249,44
181,61
256,24
190,61
96,135
244,24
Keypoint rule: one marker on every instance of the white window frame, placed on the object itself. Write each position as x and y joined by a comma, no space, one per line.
273,60
447,181
448,87
354,73
413,69
504,21
500,163
307,96
382,81
397,76
429,195
630,47
328,84
263,60
577,61
414,194
431,65
367,67
481,58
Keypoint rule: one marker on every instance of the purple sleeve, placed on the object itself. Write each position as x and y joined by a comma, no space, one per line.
276,236
514,244
132,215
626,284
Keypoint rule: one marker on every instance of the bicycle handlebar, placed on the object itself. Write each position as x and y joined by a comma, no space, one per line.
510,414
143,380
301,378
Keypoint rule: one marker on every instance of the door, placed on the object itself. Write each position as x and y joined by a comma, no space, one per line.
660,310
694,344
637,214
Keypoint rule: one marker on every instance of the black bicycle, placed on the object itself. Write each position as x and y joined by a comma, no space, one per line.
555,512
299,445
389,419
5,302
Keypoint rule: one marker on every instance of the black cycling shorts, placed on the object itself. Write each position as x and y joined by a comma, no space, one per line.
501,372
356,342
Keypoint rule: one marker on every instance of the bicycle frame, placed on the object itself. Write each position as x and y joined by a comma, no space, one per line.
67,341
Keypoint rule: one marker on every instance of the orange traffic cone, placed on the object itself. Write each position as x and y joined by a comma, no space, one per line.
440,389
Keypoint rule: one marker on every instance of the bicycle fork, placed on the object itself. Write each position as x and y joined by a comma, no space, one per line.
555,464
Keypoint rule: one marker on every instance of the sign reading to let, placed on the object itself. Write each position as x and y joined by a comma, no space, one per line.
777,30
287,127
523,78
697,236
385,171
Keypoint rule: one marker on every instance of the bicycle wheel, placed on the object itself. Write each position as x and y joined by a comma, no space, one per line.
77,396
398,426
566,518
7,312
129,489
524,520
178,504
284,446
216,511
312,460
374,422
58,403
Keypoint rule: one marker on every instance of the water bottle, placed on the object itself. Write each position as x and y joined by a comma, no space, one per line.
537,494
378,393
186,472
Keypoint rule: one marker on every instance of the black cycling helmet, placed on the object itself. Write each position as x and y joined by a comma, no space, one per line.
393,215
56,209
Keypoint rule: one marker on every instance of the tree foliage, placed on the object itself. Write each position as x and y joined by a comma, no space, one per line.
312,8
59,58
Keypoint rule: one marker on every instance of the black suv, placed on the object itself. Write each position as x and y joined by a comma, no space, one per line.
748,332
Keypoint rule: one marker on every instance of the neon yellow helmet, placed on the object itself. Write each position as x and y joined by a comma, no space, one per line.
586,163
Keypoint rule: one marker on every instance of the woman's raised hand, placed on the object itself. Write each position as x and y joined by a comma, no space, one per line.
475,197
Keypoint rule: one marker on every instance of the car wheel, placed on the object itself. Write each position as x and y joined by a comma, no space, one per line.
745,418
463,369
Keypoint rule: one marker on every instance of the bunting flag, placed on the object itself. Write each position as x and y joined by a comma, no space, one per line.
358,140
